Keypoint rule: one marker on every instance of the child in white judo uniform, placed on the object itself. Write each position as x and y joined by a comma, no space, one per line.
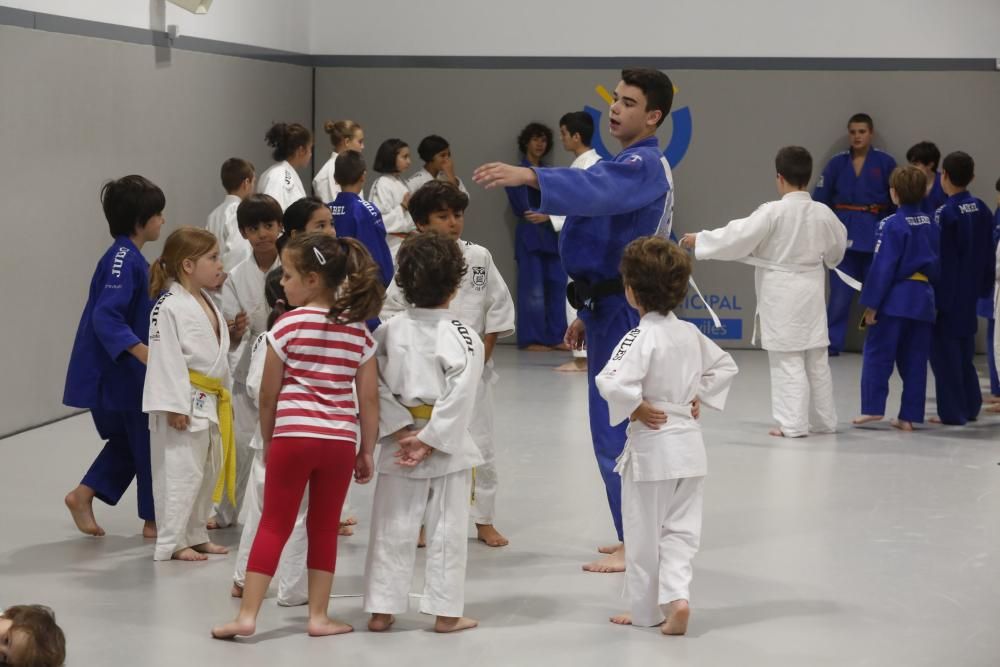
292,583
239,179
186,396
430,365
483,303
390,194
259,220
345,135
790,242
658,370
292,147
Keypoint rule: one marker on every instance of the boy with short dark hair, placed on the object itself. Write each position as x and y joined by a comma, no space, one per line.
898,296
259,219
607,206
30,637
238,179
855,184
356,217
435,151
790,242
927,157
967,273
663,466
483,303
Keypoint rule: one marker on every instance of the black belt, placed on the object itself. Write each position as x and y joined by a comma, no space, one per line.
582,294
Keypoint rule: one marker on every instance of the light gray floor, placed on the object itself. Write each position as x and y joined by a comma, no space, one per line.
870,547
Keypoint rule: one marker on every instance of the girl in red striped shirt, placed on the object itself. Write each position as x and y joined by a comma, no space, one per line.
318,355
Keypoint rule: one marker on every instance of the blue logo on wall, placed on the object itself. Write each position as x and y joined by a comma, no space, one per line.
731,329
680,140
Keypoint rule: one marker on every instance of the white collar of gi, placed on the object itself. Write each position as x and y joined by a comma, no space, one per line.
801,194
653,316
430,313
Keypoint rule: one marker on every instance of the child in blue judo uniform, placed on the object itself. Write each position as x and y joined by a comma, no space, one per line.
927,157
356,218
855,184
607,206
107,367
967,273
541,280
898,296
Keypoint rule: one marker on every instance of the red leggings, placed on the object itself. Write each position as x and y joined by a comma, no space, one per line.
327,465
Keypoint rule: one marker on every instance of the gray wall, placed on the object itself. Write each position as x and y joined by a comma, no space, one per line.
76,111
740,119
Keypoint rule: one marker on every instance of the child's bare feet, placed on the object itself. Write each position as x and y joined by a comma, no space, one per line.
349,521
211,548
935,420
610,549
80,503
902,425
485,532
622,619
188,554
865,419
992,408
445,624
237,628
345,530
990,398
213,524
237,591
422,539
537,348
575,365
677,621
326,626
614,562
149,530
381,622
776,432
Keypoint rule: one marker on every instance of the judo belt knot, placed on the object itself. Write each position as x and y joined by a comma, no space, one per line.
583,294
424,412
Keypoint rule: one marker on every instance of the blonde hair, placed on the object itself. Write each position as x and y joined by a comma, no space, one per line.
340,131
184,243
910,184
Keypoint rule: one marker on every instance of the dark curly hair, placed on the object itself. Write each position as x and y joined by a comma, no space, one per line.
429,268
434,196
46,643
530,131
657,271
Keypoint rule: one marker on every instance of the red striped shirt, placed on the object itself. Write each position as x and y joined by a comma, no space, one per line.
321,360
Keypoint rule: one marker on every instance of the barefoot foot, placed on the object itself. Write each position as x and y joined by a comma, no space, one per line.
537,348
445,624
577,365
211,548
622,619
345,530
902,425
213,524
610,549
486,533
677,621
188,554
865,419
236,591
349,521
80,503
776,432
326,627
614,562
935,420
422,539
238,628
381,622
149,530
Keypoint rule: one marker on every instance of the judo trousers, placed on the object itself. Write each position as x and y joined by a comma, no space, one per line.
956,383
802,392
663,532
125,457
856,265
906,344
400,505
293,584
483,510
541,295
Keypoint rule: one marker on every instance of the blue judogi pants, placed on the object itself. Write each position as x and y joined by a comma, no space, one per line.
125,457
606,324
541,299
956,383
856,265
905,344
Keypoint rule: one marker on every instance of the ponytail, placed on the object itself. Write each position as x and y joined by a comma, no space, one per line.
348,271
158,278
286,138
340,131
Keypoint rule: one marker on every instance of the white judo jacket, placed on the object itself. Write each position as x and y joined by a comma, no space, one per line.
233,248
282,182
325,185
790,242
667,362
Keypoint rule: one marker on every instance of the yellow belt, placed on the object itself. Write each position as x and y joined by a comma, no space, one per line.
919,277
424,412
227,476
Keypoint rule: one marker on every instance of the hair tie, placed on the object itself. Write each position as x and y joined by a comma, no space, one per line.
319,256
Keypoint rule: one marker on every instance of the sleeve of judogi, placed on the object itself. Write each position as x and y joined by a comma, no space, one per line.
255,372
232,305
232,241
460,355
396,219
837,244
824,190
499,305
881,275
392,415
717,373
110,316
945,284
607,188
736,240
620,382
168,386
518,198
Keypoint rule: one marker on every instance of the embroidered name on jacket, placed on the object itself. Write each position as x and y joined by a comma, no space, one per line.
116,267
154,318
626,344
464,333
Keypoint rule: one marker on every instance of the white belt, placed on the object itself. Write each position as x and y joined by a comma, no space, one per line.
673,411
